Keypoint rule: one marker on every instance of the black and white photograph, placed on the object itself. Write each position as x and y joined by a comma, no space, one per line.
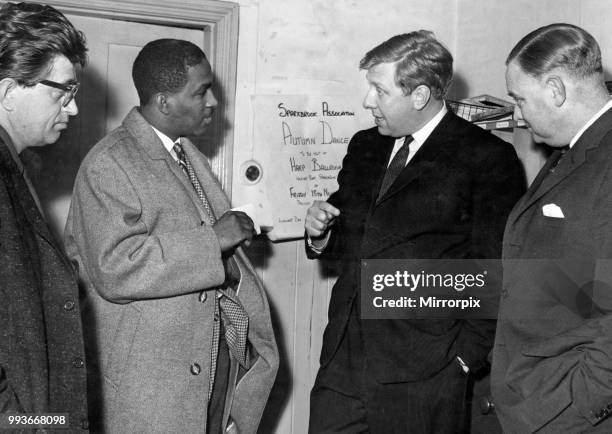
306,216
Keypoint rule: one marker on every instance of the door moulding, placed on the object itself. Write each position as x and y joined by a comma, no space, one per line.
219,22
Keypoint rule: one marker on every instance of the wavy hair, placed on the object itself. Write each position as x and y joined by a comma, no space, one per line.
31,35
420,60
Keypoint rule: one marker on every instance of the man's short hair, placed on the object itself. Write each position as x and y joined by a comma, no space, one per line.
161,66
420,60
31,35
558,46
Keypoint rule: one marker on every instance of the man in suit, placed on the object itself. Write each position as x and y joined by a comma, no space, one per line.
42,367
552,360
455,187
180,327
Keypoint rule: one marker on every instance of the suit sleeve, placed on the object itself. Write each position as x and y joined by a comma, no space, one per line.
344,199
334,246
499,182
124,259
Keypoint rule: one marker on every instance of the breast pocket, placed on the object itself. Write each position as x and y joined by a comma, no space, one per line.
554,222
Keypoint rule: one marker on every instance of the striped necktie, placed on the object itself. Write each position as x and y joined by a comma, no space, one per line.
395,167
234,317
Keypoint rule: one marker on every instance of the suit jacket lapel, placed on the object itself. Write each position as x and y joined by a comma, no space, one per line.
574,158
385,148
525,201
35,218
434,148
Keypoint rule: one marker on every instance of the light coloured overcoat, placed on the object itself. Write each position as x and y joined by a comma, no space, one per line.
138,232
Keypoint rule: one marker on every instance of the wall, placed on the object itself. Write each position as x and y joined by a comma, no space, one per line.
487,31
295,46
312,47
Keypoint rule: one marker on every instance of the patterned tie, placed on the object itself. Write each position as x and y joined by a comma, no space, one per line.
395,168
232,313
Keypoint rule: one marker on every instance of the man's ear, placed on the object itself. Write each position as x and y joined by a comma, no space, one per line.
8,86
556,89
421,96
160,101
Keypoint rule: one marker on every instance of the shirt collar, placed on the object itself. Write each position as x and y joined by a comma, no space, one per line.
166,141
421,135
591,122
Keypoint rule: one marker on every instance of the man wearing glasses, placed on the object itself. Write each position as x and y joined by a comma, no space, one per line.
69,90
42,362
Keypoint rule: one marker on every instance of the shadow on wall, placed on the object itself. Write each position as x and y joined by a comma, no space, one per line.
53,168
258,252
458,89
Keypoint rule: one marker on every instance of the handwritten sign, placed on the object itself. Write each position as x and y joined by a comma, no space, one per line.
305,139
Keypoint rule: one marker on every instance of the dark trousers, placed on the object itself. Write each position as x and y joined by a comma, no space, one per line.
346,398
216,404
432,406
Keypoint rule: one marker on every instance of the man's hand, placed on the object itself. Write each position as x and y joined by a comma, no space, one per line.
320,216
232,229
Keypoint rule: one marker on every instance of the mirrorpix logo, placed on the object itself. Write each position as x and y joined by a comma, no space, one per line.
428,288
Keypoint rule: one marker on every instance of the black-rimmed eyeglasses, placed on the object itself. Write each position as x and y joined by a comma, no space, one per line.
70,90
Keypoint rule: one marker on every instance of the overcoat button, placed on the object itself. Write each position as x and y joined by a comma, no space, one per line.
486,405
195,369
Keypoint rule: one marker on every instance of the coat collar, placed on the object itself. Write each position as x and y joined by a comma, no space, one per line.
145,137
22,192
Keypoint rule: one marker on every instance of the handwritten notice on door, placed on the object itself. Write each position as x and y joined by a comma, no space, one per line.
305,139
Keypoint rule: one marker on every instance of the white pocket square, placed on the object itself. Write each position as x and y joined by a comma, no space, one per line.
552,210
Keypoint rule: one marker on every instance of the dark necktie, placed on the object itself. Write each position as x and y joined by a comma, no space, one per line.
543,177
396,166
562,151
234,317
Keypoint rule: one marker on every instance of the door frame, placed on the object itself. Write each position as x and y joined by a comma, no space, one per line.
219,22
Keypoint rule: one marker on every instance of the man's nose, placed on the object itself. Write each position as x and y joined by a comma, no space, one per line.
368,100
72,109
211,100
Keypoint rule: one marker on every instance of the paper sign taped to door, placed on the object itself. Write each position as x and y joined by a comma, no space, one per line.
300,142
